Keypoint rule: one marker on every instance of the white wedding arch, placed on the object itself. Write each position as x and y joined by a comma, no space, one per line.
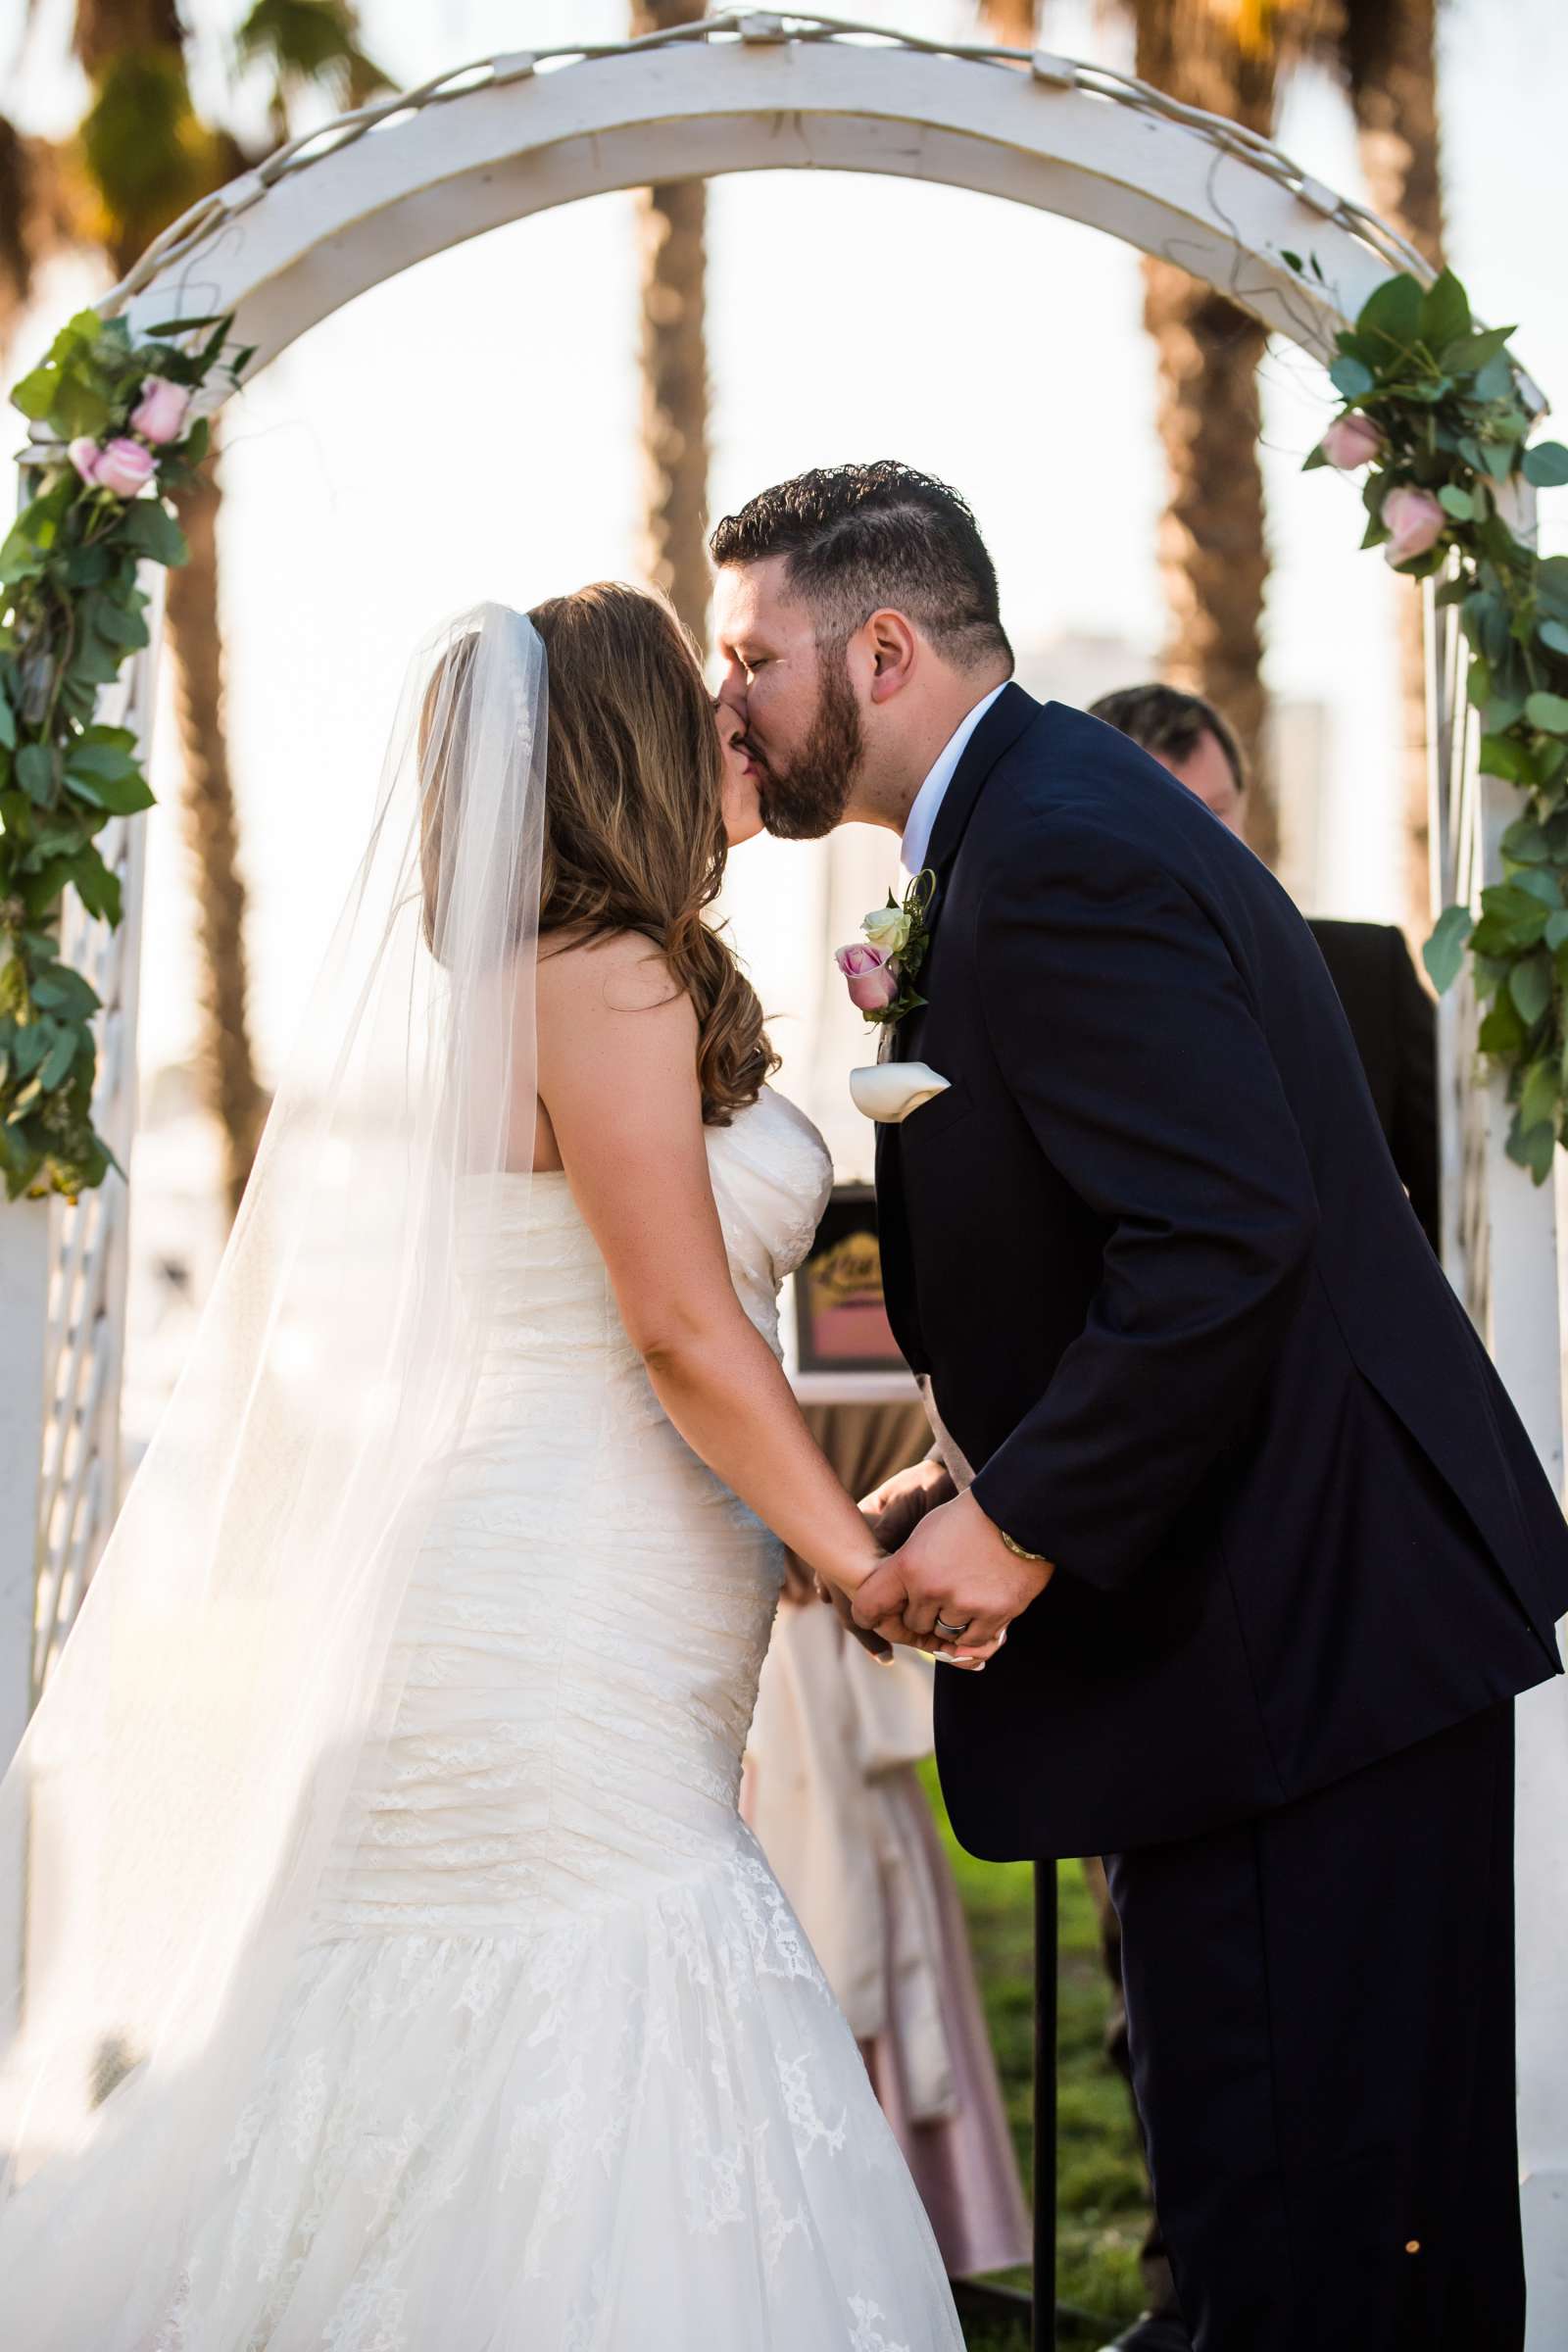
338,212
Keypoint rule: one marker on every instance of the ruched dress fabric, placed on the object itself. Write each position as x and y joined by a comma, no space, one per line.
558,2071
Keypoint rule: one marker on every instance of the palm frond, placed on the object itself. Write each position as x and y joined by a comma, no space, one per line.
311,45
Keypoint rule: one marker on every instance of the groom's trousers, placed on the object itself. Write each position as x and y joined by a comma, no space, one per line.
1320,2007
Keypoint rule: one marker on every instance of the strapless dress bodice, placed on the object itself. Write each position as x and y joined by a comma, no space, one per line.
771,1177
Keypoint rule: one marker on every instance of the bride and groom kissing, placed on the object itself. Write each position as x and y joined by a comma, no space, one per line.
1234,1545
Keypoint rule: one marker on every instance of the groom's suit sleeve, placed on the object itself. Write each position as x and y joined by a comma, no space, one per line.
1132,1049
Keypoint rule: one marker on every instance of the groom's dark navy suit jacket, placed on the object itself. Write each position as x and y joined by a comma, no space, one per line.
1180,1316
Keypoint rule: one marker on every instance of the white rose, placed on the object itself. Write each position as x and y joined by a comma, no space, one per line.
888,929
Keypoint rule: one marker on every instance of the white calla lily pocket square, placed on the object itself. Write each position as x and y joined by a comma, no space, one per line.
888,1091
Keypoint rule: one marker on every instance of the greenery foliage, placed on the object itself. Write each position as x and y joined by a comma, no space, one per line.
1451,423
71,616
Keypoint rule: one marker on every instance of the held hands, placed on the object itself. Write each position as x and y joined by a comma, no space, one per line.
953,1565
892,1511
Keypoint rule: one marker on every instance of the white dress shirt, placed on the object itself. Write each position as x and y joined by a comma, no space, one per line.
920,823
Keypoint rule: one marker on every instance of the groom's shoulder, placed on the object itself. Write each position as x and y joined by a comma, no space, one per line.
1065,764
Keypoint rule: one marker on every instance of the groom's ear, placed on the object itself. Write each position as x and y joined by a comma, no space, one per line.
891,647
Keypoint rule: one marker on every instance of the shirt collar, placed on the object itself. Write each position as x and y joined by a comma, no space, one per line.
921,820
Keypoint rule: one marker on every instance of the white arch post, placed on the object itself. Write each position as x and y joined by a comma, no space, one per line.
335,214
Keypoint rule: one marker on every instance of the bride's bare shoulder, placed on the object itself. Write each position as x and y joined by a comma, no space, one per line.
618,971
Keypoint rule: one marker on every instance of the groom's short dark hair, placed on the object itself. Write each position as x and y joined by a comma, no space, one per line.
862,537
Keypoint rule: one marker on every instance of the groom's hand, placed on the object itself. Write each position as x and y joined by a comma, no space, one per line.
955,1567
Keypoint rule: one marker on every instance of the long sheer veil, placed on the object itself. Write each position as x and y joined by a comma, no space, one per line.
181,1782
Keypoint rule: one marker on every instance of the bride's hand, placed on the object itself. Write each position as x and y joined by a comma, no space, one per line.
839,1601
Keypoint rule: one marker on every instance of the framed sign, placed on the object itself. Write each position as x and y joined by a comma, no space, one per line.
840,1322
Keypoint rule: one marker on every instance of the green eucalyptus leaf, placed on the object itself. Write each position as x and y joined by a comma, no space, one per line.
1494,381
1538,882
60,990
79,406
1471,353
1526,843
1530,985
121,625
1554,634
1445,312
36,771
1502,713
1503,1032
55,1068
104,763
1546,464
1444,952
1394,311
8,725
87,567
1351,378
96,887
1532,1147
1556,931
30,1046
1541,1095
1549,713
1485,618
1504,755
121,796
148,527
1457,503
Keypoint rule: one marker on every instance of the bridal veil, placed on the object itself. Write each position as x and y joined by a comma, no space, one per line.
178,1789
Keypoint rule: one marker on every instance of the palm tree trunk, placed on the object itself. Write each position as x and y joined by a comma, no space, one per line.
675,363
116,38
1389,50
38,219
1213,553
1011,22
1212,545
229,1082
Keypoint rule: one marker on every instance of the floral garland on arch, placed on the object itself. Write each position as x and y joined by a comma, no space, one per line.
1432,408
120,410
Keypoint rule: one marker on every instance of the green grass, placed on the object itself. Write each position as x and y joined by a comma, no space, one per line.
1100,2201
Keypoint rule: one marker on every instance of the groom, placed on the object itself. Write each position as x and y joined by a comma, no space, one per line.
1271,1549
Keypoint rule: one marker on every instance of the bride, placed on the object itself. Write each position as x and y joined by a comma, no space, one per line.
398,1976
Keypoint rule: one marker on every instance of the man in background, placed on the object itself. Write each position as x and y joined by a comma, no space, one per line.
1391,1017
1394,1024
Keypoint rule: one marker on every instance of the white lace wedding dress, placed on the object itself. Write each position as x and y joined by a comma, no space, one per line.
558,2047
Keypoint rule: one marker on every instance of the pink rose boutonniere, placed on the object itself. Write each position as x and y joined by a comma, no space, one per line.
881,970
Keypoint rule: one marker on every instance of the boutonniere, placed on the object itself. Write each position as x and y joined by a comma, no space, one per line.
882,972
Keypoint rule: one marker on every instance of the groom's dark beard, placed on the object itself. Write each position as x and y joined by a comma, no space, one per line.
809,798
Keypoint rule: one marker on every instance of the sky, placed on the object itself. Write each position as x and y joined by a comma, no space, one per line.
469,430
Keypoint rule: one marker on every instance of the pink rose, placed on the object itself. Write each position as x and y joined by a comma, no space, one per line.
1415,520
1351,441
161,412
124,467
83,455
871,975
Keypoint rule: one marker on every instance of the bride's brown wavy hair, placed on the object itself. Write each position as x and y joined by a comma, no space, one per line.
634,827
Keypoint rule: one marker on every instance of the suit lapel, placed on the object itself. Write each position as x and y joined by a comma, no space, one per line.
997,733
